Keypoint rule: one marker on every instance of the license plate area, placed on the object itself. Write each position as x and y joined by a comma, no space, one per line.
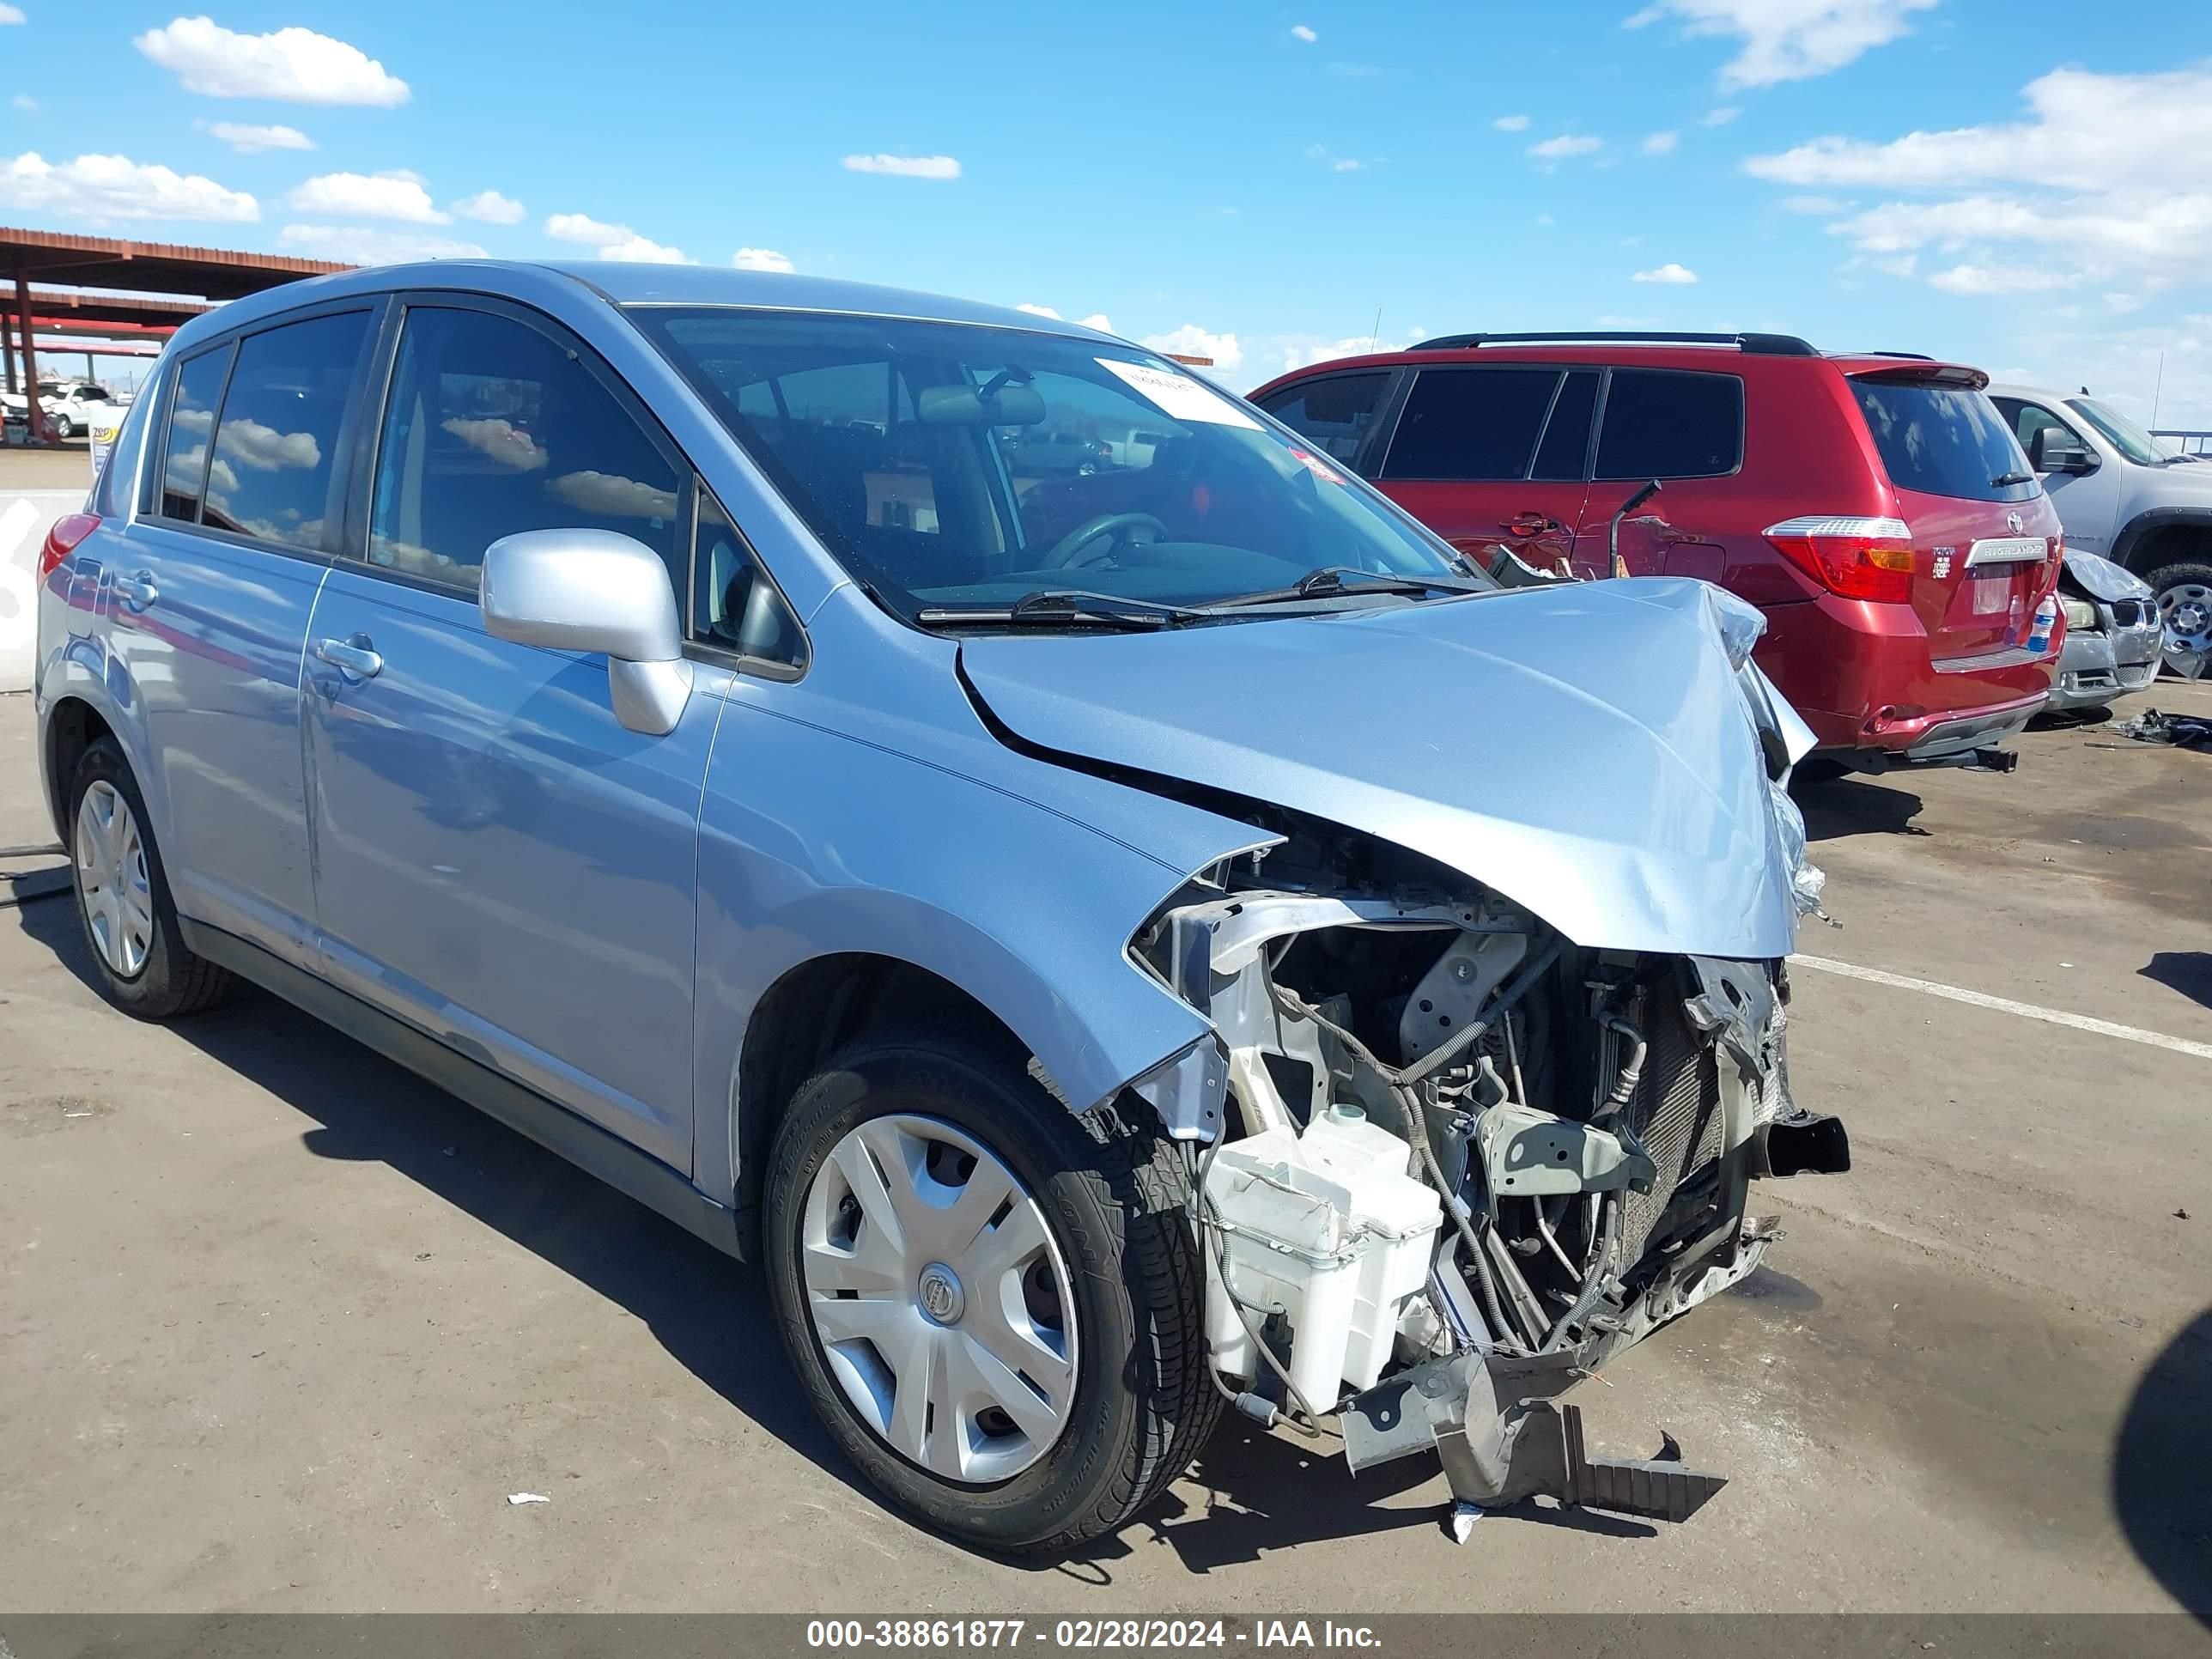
1989,593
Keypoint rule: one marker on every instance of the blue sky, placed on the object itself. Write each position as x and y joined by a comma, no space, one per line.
1259,180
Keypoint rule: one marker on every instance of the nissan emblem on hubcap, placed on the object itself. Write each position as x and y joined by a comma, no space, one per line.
941,1297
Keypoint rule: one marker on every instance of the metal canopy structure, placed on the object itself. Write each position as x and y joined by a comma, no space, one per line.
155,287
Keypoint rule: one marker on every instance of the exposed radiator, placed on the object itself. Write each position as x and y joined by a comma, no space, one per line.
1675,1112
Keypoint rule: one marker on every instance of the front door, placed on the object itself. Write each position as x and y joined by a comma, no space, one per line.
498,860
2089,503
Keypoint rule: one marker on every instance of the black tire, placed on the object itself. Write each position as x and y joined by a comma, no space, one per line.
1113,1194
2177,573
172,981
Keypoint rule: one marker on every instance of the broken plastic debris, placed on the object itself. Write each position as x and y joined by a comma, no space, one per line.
1463,1517
527,1497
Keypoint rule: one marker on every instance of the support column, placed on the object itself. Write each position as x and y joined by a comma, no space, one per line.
6,351
38,433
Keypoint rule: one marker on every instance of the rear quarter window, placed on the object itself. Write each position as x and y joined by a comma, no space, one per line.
1667,424
1944,440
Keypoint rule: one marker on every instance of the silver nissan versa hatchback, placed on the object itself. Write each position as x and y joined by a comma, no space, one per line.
1115,943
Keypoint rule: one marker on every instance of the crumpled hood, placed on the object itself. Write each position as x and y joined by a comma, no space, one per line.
2100,579
1583,750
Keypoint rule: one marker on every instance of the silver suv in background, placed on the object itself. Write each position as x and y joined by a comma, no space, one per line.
2120,494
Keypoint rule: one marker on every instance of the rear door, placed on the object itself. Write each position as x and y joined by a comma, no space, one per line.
1336,412
207,598
1493,454
1981,556
1683,428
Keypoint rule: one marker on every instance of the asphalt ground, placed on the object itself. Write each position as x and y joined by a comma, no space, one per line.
283,1328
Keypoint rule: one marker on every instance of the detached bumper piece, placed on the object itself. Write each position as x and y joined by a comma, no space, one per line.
1502,1438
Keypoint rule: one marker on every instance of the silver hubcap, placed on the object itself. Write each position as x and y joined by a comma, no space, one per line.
111,880
941,1303
2186,610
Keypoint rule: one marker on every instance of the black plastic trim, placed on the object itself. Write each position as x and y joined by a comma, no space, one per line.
552,1125
1765,345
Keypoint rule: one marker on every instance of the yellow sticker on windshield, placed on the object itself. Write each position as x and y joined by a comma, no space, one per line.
1179,397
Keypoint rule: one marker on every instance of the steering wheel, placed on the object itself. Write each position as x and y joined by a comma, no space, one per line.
1062,552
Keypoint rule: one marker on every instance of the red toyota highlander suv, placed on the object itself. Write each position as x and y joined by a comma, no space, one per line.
1875,506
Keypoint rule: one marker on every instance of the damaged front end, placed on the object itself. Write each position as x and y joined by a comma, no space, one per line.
1498,1017
1464,1161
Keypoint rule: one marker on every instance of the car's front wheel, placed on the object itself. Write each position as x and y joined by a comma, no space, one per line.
64,427
993,1303
2183,591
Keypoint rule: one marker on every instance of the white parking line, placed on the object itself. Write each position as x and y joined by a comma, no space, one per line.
2006,1005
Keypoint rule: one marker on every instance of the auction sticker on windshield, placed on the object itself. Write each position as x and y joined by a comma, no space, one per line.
1179,396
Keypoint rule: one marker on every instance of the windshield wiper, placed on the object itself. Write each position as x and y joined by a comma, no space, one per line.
1062,608
2004,478
1327,582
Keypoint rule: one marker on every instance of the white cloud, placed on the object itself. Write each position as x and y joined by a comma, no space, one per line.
1511,124
2120,304
1302,351
295,64
10,14
99,189
251,140
1661,143
1097,319
24,101
618,242
1192,341
1719,117
1302,32
1572,144
499,440
1546,219
490,207
1978,279
762,259
1344,164
1038,311
2082,190
264,448
1669,273
1787,40
905,167
395,195
366,245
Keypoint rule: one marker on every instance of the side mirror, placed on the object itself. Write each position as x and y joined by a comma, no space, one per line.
593,590
2052,449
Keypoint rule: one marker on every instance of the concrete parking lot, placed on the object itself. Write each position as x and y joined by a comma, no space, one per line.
281,1328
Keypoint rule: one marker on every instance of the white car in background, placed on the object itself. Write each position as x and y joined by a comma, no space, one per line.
2122,495
68,403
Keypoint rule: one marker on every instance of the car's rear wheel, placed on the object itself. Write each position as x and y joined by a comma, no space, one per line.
991,1303
122,897
63,428
2184,593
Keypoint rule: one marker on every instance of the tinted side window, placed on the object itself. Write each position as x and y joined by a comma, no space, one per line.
1334,412
1665,424
1471,424
736,606
1565,447
1944,440
192,424
275,445
491,429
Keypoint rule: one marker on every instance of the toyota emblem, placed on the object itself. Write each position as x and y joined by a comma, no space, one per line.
2014,523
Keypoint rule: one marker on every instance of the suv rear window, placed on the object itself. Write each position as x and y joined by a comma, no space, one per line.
1670,424
1471,425
1944,440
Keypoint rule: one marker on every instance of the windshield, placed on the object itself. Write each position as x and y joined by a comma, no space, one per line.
2123,434
954,467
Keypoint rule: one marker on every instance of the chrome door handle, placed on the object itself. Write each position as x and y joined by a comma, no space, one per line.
136,592
350,657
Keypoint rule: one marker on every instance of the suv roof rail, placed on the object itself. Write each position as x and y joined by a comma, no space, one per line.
1769,345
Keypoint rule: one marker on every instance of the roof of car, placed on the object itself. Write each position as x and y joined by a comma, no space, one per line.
627,284
1718,352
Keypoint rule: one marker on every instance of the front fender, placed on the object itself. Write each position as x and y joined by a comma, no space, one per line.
813,844
2127,546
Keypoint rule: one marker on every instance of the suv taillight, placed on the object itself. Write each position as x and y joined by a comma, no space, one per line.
62,540
1854,558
